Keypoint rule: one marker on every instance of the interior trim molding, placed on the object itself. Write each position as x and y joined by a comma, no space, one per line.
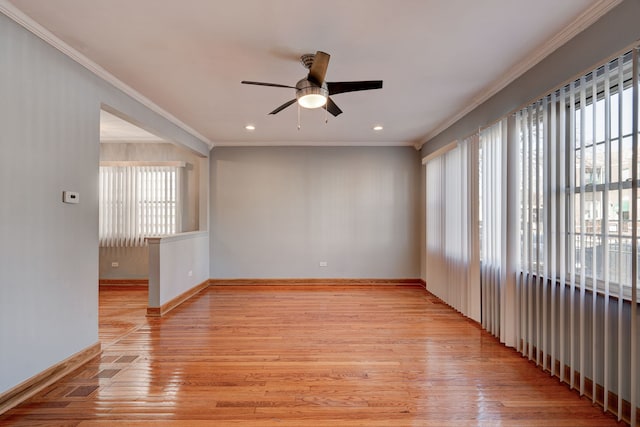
23,391
187,235
173,303
123,282
584,20
314,281
300,143
48,37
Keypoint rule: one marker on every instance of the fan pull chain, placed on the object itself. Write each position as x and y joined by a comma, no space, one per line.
326,115
298,116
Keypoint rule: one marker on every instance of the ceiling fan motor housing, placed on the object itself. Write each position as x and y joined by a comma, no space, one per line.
307,60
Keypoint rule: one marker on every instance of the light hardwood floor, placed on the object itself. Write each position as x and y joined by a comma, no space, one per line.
357,355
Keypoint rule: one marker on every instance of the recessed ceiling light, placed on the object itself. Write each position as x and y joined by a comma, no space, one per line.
378,128
250,127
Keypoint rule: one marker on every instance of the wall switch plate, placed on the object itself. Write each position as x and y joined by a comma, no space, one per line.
72,197
323,263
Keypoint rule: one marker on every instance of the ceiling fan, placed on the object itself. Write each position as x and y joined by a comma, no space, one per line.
313,91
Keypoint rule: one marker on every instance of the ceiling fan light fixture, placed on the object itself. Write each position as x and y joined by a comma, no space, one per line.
312,100
310,95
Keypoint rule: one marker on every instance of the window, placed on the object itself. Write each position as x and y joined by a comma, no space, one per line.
602,160
576,154
138,202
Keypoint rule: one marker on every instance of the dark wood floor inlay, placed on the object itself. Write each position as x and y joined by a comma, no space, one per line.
107,373
126,359
83,391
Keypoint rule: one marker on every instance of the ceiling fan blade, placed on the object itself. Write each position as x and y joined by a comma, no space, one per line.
265,84
342,87
319,68
333,108
283,106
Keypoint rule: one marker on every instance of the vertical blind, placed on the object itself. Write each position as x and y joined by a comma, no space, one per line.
577,291
466,227
552,195
451,229
493,233
137,202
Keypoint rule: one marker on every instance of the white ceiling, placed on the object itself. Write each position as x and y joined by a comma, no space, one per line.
115,129
438,58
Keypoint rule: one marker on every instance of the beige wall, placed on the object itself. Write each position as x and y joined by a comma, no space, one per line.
277,212
49,142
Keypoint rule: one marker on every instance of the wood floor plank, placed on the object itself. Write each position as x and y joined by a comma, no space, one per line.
295,355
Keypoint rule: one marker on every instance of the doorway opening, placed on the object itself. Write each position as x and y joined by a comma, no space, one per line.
149,187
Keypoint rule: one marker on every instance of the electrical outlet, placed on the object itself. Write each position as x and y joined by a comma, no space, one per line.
72,197
190,273
115,264
324,263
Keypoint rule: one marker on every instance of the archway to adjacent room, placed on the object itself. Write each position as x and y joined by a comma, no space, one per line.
148,187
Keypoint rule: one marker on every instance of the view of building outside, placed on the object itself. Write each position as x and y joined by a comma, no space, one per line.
576,165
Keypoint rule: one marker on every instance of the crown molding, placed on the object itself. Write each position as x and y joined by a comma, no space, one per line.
38,30
584,20
260,143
